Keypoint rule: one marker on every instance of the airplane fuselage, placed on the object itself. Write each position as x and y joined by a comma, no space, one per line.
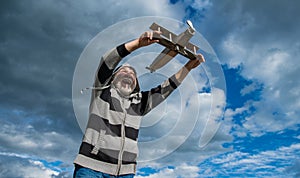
184,37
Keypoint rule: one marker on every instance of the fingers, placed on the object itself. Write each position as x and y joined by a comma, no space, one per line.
200,57
151,35
157,32
148,35
156,35
147,38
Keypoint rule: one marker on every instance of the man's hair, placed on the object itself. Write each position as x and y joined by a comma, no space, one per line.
122,66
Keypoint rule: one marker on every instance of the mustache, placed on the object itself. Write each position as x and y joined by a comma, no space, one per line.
125,76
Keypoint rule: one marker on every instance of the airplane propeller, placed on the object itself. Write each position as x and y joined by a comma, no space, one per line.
190,24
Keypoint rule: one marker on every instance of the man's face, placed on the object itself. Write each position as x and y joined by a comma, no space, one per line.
125,80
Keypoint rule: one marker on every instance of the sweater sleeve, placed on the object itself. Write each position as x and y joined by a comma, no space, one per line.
152,98
108,63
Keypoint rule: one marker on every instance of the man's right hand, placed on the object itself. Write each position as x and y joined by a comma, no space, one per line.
147,38
144,40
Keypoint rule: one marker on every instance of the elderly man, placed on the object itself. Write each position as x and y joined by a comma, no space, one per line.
109,146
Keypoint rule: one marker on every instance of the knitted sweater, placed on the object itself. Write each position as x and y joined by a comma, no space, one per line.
109,144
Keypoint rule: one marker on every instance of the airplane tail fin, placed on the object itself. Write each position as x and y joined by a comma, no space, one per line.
150,69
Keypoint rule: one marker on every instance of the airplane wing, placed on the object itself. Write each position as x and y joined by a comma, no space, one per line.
186,52
171,37
193,48
164,32
164,57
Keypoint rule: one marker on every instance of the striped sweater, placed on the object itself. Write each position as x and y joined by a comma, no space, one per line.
109,144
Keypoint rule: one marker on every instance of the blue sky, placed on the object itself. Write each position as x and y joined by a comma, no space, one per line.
251,121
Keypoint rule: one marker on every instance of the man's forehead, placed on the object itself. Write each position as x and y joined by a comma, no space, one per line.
127,68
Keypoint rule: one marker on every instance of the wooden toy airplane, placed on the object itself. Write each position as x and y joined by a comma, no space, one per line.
174,44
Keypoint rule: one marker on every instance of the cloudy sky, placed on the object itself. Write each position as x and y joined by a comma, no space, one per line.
238,113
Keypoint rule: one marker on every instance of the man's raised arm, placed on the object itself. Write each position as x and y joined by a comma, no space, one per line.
191,64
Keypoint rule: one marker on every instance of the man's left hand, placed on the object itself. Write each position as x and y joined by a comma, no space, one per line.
191,64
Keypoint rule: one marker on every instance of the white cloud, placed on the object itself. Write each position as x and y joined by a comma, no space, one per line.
98,13
200,4
236,129
27,166
264,163
183,170
250,88
48,145
266,57
40,171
